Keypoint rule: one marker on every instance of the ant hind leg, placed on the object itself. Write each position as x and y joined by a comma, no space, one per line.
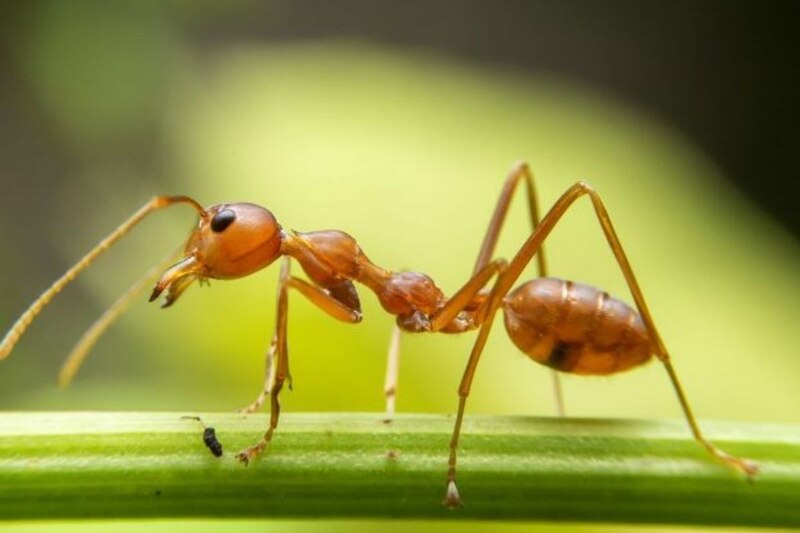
509,277
534,242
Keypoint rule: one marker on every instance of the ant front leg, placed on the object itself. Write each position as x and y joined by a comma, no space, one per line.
324,300
269,376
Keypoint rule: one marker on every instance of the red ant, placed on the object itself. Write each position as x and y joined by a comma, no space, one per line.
567,326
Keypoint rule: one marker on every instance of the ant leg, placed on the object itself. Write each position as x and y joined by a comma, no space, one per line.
324,301
466,296
392,370
442,318
282,370
534,242
499,290
520,172
452,498
269,376
507,279
747,467
21,325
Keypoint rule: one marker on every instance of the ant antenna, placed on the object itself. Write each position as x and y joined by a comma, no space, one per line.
21,325
81,350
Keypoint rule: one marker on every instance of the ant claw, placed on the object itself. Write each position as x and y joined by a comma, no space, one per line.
244,458
250,409
452,498
750,469
745,466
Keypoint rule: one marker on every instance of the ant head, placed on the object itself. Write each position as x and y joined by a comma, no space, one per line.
234,240
230,241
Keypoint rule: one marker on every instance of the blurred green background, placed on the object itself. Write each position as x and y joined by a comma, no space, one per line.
107,104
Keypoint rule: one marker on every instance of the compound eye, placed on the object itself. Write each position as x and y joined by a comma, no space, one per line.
222,220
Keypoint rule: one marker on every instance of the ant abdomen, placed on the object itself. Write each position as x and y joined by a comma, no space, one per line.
575,328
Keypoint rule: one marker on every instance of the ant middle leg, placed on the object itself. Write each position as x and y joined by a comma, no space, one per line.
325,301
468,299
521,172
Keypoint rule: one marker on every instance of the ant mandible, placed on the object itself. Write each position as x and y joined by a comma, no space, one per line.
569,327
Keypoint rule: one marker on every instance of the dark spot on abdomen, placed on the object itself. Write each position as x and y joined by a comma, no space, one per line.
560,356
